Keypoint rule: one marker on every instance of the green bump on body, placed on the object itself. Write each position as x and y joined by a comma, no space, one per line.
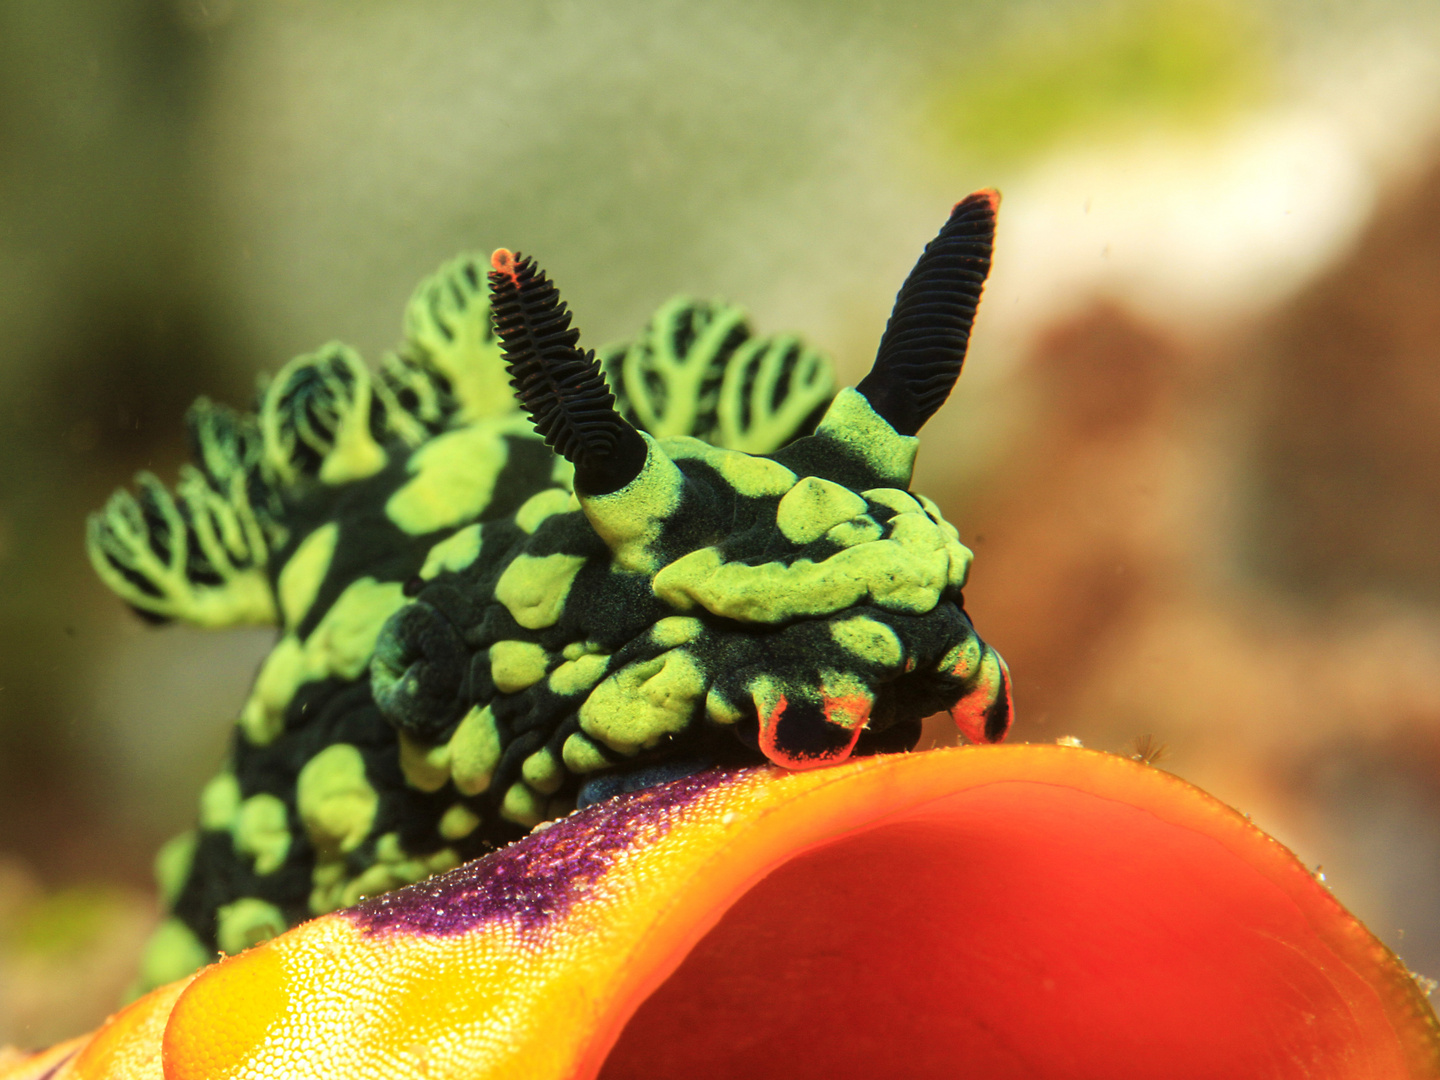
963,660
583,756
578,675
453,475
262,831
902,502
960,555
576,649
246,922
344,641
453,553
220,802
904,573
534,588
300,578
522,806
172,952
719,709
849,700
172,865
869,640
630,520
336,803
643,702
676,630
426,768
749,475
814,506
458,822
263,716
340,645
542,772
517,665
543,505
860,530
474,751
851,422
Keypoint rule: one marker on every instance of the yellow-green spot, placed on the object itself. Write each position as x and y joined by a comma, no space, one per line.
869,640
676,630
343,642
637,706
425,768
719,709
246,922
453,476
262,831
582,756
860,530
851,422
340,645
850,700
172,952
220,802
172,865
904,573
335,800
542,772
963,660
301,577
902,502
516,665
578,675
454,553
522,806
748,474
542,505
474,751
814,506
630,520
458,822
576,649
534,588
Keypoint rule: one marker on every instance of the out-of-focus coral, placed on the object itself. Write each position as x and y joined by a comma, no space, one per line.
1232,546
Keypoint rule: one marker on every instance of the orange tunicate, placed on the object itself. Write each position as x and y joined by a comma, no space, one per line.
1026,911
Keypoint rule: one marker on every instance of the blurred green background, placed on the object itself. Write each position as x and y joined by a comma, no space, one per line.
1196,449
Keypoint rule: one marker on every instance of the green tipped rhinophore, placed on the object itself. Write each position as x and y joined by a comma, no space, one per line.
720,561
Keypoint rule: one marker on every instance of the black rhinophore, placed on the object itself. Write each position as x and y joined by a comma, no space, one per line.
559,385
924,344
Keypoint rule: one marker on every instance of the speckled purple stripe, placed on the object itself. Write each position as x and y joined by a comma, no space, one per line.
537,879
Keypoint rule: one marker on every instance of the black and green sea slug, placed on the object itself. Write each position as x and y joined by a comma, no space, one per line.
495,605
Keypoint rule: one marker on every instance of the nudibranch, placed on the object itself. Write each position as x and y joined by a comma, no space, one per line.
495,607
1036,912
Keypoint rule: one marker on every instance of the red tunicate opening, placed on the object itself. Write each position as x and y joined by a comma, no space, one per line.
1018,929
